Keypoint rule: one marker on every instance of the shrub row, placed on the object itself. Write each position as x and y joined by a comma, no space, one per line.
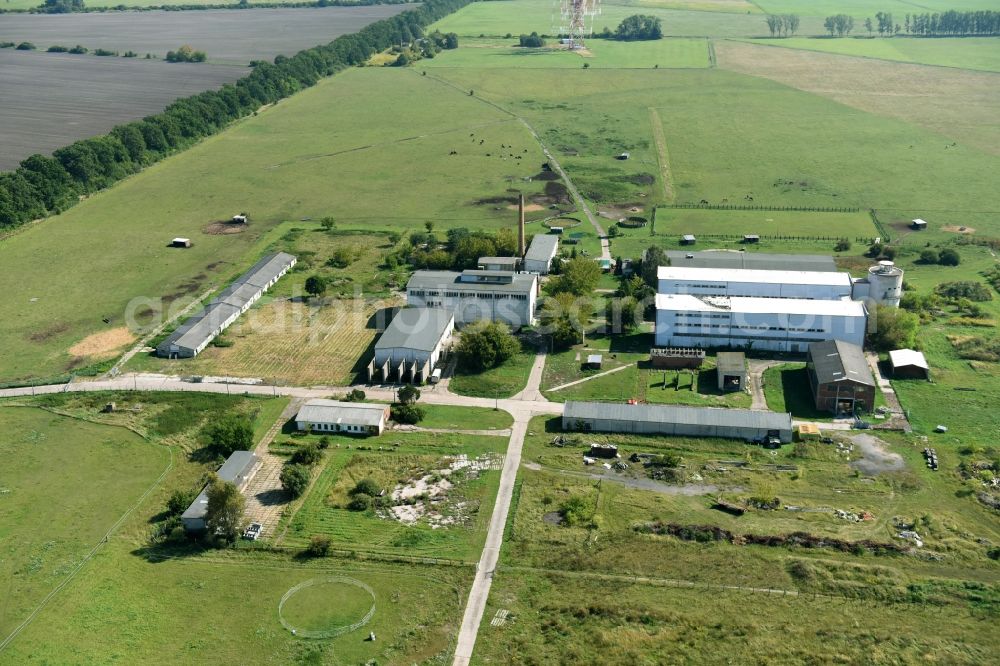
43,185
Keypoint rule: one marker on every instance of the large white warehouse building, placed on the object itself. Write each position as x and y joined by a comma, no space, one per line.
810,285
774,324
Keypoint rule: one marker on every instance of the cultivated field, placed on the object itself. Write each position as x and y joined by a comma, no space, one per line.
46,529
227,37
980,53
54,99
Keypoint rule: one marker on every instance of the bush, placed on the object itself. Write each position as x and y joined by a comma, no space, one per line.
105,52
6,45
295,479
324,442
57,49
843,245
486,345
319,546
366,487
409,414
179,501
639,27
26,46
928,256
360,503
230,433
577,511
974,291
949,257
308,455
355,395
185,54
79,50
531,41
894,329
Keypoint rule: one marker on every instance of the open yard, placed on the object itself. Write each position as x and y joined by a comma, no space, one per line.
501,382
439,492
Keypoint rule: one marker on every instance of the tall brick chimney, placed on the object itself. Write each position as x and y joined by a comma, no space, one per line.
520,226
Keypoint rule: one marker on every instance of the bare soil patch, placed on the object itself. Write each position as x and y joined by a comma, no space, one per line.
224,228
955,229
104,344
50,332
875,459
528,207
959,104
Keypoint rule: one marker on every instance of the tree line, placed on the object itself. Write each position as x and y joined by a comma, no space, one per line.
782,25
43,185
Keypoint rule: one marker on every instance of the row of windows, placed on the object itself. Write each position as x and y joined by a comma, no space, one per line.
699,315
489,295
793,329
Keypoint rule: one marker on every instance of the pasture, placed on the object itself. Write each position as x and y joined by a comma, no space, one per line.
64,483
452,527
600,53
736,223
978,53
336,149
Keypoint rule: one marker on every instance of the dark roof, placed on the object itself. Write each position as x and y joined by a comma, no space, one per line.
522,283
752,260
416,328
838,361
236,468
710,416
731,362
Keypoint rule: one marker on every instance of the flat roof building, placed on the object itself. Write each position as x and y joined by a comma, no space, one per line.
731,371
540,253
746,424
358,418
753,283
238,469
477,295
412,344
774,324
840,378
191,338
510,264
751,260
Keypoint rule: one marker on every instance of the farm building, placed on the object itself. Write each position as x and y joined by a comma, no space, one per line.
676,357
919,225
688,239
753,283
908,364
840,378
751,238
511,264
477,295
729,259
412,344
747,424
357,418
731,369
180,242
773,324
238,469
191,338
593,362
540,253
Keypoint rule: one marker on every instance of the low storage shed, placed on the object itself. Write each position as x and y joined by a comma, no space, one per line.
676,357
746,424
238,469
731,368
840,378
908,364
358,418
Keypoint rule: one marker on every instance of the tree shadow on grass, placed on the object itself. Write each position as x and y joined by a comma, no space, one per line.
798,394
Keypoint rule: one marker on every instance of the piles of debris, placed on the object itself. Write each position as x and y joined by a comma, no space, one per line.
932,460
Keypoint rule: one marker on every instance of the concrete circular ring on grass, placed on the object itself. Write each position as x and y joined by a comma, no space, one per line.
564,222
331,632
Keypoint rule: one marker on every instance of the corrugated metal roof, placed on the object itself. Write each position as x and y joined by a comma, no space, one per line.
237,466
503,261
416,328
543,247
742,275
202,327
521,283
266,269
332,411
904,357
838,361
709,416
748,305
751,260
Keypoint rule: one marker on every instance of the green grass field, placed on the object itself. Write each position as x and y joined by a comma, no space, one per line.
464,418
501,382
601,53
397,457
863,8
47,528
980,53
736,223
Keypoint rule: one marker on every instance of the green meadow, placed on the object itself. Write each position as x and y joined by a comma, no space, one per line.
680,221
979,53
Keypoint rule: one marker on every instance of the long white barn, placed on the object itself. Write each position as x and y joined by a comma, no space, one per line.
774,324
810,285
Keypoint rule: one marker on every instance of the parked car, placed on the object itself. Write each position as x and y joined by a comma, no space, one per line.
253,532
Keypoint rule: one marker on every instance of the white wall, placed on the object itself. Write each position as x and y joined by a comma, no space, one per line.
468,308
703,287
